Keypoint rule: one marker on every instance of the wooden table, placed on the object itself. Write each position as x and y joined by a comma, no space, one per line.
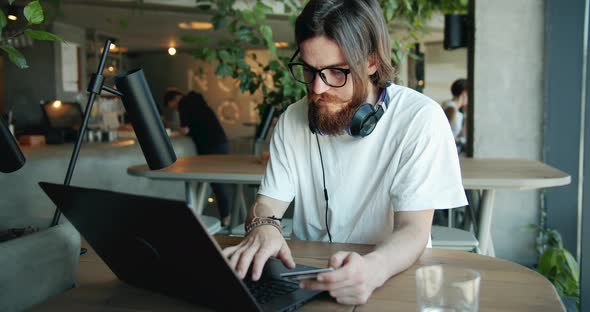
486,175
505,286
489,175
197,172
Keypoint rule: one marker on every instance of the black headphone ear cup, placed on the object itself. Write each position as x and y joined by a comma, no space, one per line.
361,120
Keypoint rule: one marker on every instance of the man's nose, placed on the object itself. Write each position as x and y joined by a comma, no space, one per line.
319,86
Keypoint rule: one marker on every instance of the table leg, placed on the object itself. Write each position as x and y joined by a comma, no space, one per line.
486,244
196,194
242,202
239,210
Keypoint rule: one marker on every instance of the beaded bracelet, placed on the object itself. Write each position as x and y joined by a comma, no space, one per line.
260,221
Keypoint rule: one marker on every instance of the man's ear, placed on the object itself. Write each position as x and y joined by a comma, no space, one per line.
371,65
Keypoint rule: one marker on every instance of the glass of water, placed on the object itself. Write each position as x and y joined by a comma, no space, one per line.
447,288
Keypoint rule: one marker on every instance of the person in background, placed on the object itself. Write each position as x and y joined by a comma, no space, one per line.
375,182
456,112
198,121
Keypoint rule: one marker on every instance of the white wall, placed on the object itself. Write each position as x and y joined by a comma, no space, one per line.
508,109
442,67
74,36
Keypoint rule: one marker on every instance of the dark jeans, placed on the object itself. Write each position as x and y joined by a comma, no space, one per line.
220,190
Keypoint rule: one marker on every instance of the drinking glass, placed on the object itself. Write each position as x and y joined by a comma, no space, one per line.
446,288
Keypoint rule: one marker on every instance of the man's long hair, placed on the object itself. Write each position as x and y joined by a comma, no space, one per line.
359,29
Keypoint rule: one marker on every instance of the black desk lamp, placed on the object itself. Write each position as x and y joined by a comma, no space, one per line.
11,157
142,111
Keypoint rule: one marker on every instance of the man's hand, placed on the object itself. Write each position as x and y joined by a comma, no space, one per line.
263,242
352,282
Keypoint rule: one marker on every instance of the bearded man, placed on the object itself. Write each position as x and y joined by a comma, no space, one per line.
363,159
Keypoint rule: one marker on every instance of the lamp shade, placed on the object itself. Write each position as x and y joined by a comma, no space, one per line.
11,157
145,119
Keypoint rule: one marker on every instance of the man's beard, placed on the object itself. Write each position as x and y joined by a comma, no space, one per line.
325,121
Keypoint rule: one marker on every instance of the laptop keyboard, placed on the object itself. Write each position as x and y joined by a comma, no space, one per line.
268,289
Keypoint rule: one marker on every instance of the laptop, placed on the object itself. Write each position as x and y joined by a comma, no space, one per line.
161,245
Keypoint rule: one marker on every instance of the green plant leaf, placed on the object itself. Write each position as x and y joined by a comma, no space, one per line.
248,16
42,35
545,262
3,20
10,2
223,70
260,10
243,65
225,56
267,35
15,56
572,265
274,65
219,21
245,33
34,12
210,54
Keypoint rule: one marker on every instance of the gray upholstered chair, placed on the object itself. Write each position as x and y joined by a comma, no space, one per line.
453,238
36,266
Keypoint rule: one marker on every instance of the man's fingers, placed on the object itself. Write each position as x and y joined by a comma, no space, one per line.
337,276
337,259
349,300
349,291
228,251
316,285
235,257
245,260
286,257
259,260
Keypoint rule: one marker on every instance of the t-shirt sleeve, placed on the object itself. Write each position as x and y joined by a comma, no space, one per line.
428,175
279,179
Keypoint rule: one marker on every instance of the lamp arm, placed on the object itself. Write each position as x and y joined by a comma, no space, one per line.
94,88
112,91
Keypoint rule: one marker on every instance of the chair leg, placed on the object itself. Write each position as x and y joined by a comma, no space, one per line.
451,218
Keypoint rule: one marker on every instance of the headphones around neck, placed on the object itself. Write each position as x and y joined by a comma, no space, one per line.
365,118
363,122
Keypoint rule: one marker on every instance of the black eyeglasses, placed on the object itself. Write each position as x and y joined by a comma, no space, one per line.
332,76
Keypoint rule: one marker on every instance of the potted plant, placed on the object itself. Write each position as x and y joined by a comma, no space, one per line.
558,265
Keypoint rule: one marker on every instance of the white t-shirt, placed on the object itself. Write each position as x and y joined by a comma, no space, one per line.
408,163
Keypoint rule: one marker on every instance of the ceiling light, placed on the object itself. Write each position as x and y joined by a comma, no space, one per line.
195,25
281,44
171,51
112,47
111,69
210,199
56,104
12,17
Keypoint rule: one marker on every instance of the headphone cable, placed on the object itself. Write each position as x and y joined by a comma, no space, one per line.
325,190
